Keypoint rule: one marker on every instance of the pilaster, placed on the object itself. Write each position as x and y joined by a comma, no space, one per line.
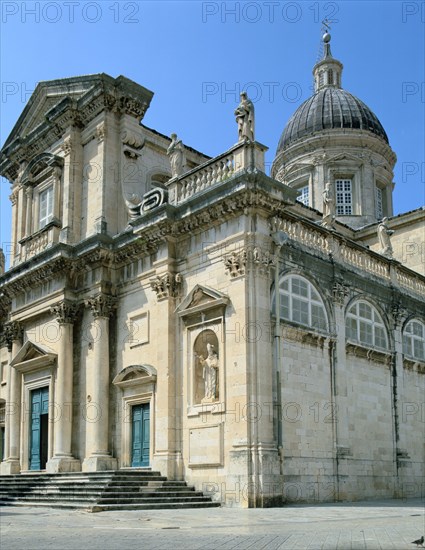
11,464
167,457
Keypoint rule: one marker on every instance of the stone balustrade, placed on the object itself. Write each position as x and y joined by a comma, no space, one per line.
243,156
40,241
365,260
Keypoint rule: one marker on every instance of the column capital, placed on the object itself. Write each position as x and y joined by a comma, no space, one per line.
166,285
397,314
102,305
339,293
13,331
13,197
64,311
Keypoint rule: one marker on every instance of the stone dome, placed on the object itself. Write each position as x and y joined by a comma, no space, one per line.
330,108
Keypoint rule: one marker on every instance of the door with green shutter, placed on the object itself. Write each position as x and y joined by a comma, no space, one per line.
140,435
39,428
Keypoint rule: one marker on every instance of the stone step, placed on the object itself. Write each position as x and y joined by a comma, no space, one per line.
71,495
106,507
97,491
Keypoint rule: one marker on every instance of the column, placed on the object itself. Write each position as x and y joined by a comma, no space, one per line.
11,464
98,456
62,459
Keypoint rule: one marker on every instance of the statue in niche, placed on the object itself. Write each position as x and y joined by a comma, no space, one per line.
175,152
244,113
384,233
328,207
210,372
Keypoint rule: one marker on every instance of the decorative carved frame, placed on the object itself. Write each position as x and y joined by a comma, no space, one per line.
36,373
138,386
202,309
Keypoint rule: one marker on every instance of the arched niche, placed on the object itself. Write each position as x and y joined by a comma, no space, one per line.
207,367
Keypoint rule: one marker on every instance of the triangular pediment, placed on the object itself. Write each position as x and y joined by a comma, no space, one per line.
53,97
345,157
200,298
32,353
46,96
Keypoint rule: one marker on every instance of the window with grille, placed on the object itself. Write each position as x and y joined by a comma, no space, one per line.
46,207
378,203
414,340
363,324
344,201
301,303
303,195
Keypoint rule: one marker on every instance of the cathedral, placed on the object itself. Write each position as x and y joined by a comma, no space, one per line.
260,336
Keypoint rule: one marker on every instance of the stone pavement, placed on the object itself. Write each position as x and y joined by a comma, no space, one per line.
390,524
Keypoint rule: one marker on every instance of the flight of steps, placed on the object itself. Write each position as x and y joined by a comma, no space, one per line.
100,491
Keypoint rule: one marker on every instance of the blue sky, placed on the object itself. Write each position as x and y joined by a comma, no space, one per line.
197,56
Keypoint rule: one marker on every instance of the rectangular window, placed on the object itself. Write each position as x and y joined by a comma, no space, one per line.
46,207
344,202
303,195
378,204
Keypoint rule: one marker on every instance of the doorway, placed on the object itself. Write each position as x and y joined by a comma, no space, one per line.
140,435
39,429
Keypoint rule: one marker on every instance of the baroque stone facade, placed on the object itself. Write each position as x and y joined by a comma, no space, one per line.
148,278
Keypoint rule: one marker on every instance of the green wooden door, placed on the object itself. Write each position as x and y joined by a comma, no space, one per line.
140,435
39,428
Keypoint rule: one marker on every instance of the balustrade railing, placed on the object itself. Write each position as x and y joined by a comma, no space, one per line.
242,156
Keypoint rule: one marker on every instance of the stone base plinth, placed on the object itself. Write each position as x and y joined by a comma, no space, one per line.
169,463
99,463
59,464
9,467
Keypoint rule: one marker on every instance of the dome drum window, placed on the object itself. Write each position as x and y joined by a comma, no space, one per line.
344,197
303,195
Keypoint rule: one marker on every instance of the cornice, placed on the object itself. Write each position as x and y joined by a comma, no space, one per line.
238,197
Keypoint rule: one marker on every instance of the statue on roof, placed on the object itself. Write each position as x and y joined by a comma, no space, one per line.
244,113
175,152
384,233
328,207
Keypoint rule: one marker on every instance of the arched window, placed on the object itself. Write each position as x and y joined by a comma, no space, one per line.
364,324
301,303
414,340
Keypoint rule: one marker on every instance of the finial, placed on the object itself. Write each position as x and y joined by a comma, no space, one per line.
326,27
